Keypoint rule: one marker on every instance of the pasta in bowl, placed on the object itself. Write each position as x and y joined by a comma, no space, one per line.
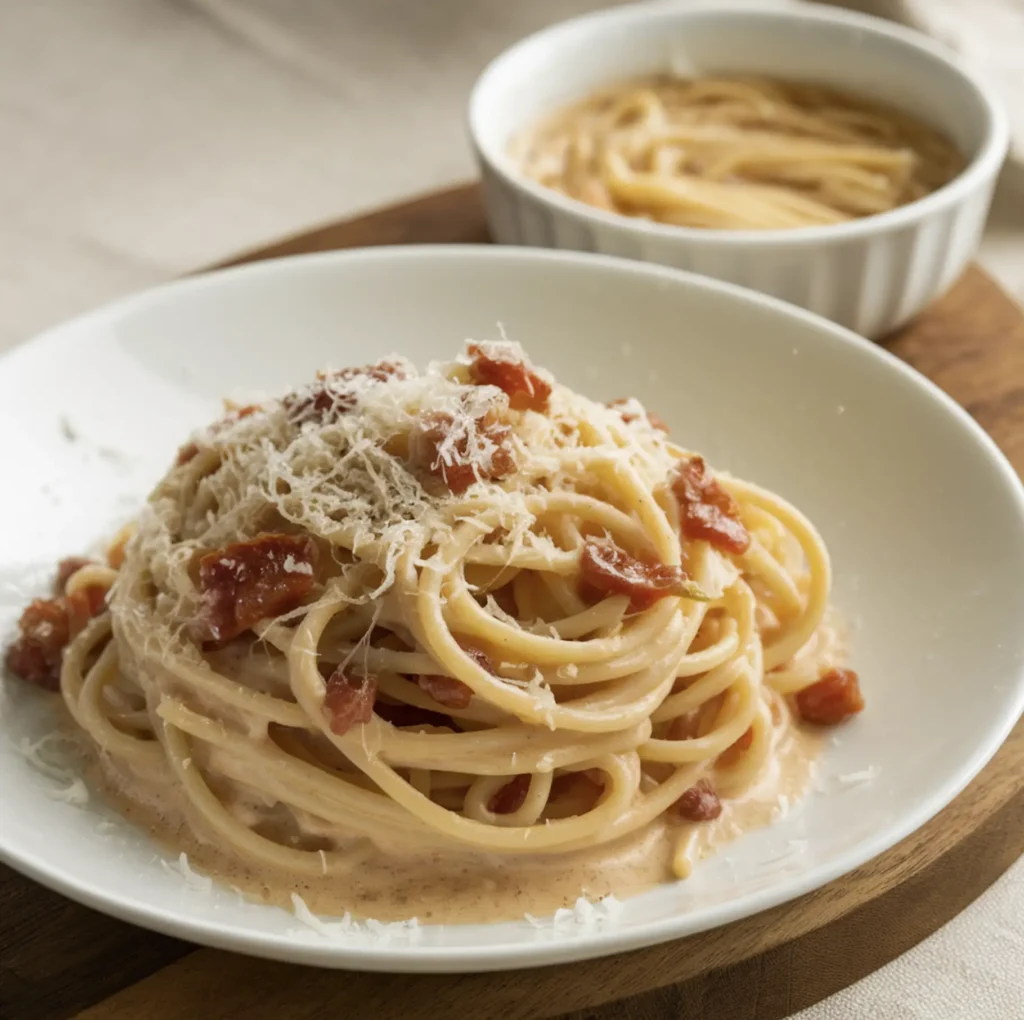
735,153
827,158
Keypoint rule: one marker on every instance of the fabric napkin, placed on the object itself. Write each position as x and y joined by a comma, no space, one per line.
988,34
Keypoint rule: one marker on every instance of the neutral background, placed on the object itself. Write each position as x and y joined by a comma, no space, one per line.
140,139
143,138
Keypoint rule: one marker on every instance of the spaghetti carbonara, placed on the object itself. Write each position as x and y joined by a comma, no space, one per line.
465,631
735,153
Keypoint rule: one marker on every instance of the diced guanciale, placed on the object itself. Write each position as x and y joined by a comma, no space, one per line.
607,569
454,462
625,408
446,690
511,797
699,803
249,581
333,395
46,627
36,654
501,366
349,700
707,511
833,698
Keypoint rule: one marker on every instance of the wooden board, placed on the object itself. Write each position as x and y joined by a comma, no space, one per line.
58,959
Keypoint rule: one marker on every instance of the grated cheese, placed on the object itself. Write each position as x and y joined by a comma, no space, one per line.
349,479
346,928
491,605
294,566
543,697
353,478
72,790
193,880
584,915
867,775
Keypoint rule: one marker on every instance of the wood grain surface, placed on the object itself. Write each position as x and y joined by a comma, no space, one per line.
58,959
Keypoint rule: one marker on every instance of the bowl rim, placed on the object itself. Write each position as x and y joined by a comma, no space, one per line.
982,166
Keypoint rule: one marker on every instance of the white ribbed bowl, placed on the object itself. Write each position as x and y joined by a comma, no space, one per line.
871,274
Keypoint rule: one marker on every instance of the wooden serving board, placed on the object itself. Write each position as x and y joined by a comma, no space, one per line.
58,959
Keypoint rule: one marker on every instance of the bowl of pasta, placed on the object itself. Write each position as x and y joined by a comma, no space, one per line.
648,607
822,156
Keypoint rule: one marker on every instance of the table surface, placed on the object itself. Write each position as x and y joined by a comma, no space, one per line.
143,139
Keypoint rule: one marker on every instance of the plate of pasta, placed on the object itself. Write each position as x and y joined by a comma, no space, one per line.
462,608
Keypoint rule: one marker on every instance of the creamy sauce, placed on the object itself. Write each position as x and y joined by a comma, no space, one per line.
453,887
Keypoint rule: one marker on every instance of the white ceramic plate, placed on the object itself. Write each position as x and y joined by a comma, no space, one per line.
923,516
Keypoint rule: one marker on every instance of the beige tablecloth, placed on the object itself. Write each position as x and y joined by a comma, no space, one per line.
141,139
